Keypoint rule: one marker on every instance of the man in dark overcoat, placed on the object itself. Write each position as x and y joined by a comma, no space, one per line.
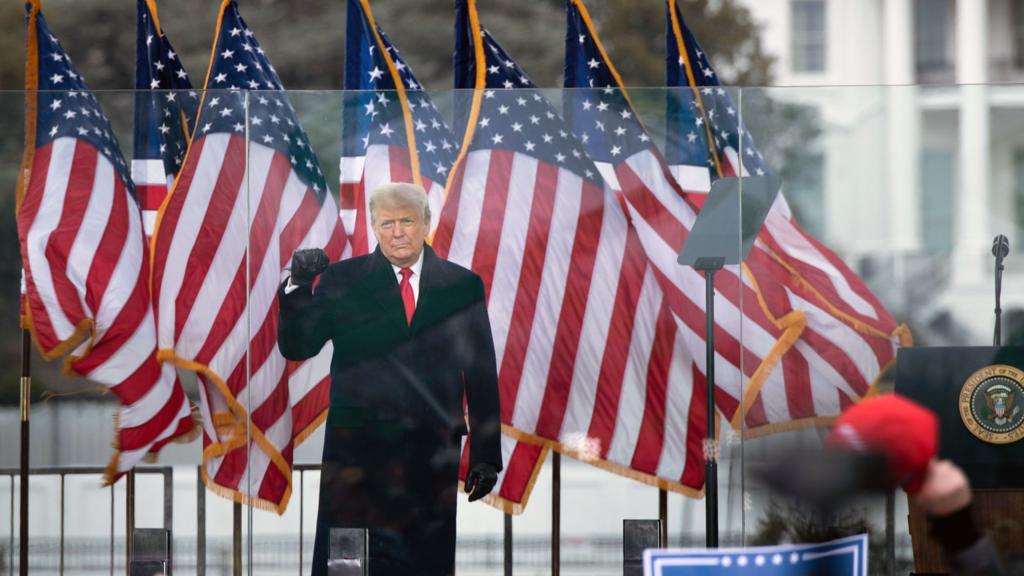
412,351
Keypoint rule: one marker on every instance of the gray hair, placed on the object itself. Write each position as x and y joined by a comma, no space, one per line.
400,194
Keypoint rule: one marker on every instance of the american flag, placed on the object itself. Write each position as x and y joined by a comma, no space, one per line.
165,108
249,193
391,131
748,341
390,127
85,261
728,148
781,360
586,348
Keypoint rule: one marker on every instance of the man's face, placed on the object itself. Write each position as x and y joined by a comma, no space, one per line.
400,231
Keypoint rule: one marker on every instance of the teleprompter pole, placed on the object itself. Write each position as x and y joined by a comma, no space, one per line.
709,266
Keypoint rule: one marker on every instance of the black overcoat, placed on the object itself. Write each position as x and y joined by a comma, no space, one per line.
396,419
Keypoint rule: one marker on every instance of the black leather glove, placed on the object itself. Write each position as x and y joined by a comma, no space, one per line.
307,265
480,481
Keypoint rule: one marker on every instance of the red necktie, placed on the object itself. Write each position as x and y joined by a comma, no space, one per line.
408,299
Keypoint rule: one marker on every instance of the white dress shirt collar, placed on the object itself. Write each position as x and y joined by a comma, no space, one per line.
414,280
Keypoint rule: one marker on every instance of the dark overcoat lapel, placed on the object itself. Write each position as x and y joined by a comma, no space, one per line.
431,280
382,287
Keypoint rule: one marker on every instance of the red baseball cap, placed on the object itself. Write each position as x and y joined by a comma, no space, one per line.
904,432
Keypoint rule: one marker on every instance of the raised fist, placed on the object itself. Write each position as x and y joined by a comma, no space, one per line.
307,265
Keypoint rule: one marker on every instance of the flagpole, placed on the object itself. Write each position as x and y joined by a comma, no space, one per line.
507,541
236,540
129,519
26,388
556,513
663,517
31,103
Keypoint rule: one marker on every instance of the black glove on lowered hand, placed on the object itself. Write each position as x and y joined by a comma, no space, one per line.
307,265
480,481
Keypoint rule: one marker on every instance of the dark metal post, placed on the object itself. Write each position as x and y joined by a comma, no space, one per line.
302,492
200,523
26,389
637,536
709,266
10,534
508,544
169,512
236,540
112,530
556,512
62,524
710,458
663,517
129,519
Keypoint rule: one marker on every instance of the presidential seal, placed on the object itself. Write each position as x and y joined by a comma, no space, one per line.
992,404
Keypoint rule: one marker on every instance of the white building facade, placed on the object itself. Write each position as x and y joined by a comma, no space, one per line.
921,157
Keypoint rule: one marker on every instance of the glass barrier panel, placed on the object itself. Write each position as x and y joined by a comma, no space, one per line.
573,214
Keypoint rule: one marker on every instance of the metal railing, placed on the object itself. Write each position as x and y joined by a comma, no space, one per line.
201,539
63,472
97,554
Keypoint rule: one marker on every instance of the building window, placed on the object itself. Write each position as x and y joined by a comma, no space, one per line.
933,39
1018,187
1017,35
937,199
808,35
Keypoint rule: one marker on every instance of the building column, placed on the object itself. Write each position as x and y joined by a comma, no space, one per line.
903,126
972,233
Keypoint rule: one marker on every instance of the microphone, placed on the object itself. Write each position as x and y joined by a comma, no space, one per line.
1000,247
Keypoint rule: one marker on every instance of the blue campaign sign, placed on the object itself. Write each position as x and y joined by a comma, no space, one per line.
843,557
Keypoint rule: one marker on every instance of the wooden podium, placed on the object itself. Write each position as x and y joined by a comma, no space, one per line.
978,394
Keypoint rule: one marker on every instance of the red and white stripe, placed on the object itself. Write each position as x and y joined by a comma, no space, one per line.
829,367
86,277
152,184
583,340
216,302
835,284
387,164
